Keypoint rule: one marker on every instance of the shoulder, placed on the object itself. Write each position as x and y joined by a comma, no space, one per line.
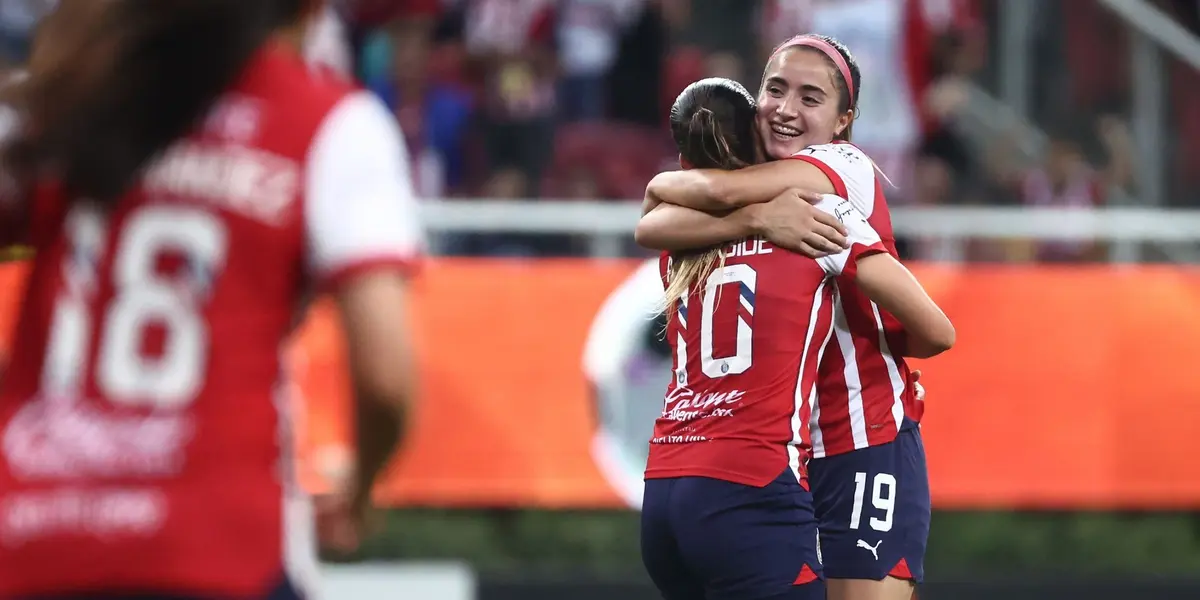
840,151
850,170
358,128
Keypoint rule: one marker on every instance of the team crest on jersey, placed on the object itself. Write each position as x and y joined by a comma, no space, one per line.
236,119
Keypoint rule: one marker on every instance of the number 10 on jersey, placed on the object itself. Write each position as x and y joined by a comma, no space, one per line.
729,283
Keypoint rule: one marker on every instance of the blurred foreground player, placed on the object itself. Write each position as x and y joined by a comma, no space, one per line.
185,180
727,512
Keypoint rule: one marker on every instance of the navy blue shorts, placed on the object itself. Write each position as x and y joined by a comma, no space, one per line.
873,508
706,539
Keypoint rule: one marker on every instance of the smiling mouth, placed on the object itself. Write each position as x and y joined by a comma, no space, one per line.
784,133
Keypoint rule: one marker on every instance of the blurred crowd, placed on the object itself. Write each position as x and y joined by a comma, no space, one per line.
567,99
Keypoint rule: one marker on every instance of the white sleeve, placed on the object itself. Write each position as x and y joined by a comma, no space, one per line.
862,237
360,211
851,171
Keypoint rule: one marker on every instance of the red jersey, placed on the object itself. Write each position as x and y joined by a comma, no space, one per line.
863,393
746,352
144,441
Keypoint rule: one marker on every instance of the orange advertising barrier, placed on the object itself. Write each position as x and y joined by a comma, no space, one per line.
1069,387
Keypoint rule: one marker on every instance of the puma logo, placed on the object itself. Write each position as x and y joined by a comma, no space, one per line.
873,549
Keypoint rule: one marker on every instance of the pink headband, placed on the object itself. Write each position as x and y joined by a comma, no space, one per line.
828,50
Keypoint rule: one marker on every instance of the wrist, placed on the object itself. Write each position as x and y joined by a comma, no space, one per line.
753,218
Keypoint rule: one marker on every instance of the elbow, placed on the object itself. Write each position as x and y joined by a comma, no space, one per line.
939,341
647,236
389,393
387,381
945,338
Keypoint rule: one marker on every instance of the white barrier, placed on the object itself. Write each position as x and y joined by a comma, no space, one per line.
620,217
609,223
398,581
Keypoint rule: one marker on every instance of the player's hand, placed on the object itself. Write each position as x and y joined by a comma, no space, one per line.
343,522
791,221
918,389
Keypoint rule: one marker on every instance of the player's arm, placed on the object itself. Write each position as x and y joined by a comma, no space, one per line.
892,286
713,190
789,220
888,283
363,236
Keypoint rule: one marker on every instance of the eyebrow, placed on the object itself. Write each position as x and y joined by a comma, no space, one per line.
808,87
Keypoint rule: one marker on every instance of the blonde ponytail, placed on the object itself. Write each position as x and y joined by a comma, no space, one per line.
687,272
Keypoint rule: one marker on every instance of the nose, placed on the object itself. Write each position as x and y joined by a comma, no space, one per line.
788,109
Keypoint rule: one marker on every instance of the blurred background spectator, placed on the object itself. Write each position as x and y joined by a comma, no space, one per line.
560,99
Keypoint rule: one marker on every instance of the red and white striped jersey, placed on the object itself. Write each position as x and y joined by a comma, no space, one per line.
862,395
747,344
144,437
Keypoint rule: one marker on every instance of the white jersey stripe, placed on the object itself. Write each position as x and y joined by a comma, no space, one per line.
795,460
858,423
893,370
816,437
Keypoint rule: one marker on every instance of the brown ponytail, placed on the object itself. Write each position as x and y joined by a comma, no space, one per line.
712,122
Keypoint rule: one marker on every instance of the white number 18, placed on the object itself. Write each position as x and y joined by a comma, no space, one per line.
883,497
142,297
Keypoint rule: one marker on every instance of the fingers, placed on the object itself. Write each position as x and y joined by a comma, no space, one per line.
919,391
807,196
829,220
825,245
336,525
832,235
809,251
915,375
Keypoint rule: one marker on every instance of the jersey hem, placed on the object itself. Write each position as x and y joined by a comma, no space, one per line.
719,474
859,251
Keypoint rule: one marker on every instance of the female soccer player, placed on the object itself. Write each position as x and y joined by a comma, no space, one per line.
868,473
726,511
186,179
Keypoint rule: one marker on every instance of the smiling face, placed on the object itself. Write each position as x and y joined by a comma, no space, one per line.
801,103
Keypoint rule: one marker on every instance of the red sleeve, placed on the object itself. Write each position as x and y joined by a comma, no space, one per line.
858,251
839,186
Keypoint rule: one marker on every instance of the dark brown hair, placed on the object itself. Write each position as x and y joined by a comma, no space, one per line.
138,76
712,122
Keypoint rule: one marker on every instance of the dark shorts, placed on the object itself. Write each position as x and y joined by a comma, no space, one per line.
705,539
873,508
284,591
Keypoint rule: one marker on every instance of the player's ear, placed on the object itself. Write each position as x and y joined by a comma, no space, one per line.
684,164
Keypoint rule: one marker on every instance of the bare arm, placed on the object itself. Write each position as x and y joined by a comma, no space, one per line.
890,285
713,190
372,308
670,227
789,221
